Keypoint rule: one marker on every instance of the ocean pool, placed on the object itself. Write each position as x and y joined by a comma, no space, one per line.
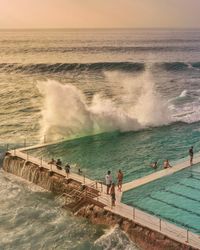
132,152
175,198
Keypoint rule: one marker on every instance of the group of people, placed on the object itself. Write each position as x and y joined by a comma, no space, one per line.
166,163
58,164
110,185
67,167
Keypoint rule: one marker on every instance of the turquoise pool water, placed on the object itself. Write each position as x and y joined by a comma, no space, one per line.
175,198
132,151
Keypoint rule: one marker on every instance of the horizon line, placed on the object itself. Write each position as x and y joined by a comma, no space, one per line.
100,28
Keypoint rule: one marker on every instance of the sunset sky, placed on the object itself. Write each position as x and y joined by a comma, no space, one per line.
99,13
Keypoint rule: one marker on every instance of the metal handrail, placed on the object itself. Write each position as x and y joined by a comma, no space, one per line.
169,229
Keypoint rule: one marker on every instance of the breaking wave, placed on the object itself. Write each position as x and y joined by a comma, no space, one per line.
66,111
178,66
46,68
184,93
66,67
173,66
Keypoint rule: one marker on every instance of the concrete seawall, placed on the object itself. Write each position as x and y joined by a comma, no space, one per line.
83,201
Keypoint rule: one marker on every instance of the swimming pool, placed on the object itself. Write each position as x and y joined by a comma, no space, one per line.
175,198
131,151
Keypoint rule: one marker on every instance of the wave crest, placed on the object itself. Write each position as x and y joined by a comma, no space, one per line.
65,67
67,113
55,68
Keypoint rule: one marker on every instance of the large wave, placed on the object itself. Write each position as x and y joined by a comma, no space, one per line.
66,111
55,68
66,67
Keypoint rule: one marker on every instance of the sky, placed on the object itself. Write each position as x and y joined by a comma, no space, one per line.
99,14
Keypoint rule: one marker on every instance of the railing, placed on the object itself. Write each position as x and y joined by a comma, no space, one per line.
30,142
160,225
51,167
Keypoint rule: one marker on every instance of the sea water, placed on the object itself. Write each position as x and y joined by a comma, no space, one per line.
133,93
132,152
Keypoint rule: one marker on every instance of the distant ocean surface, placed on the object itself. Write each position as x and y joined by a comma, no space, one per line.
72,83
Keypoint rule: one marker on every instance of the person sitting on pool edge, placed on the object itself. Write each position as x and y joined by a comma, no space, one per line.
59,164
67,169
154,165
80,171
166,164
52,161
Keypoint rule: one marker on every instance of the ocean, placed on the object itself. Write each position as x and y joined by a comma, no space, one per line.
134,92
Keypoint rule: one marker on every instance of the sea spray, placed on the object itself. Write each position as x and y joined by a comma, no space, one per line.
140,99
66,111
115,239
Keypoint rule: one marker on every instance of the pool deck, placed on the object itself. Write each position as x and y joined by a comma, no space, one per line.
155,223
159,174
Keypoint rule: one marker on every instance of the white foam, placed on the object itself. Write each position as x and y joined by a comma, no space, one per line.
115,239
66,112
183,93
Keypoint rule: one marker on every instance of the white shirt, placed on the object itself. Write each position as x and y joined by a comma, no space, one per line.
108,178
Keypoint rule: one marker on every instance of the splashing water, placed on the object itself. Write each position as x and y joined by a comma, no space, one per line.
66,111
115,239
183,93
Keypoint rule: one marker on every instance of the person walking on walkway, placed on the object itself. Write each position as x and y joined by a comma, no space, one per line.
120,177
108,179
191,154
112,193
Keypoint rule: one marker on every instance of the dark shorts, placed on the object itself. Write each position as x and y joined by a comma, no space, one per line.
108,185
113,197
119,182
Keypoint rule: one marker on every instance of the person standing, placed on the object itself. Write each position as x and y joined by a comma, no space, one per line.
119,180
112,193
108,179
191,154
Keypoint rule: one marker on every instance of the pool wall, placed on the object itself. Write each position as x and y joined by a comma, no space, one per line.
91,208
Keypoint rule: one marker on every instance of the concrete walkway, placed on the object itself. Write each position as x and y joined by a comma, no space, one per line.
159,174
166,228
